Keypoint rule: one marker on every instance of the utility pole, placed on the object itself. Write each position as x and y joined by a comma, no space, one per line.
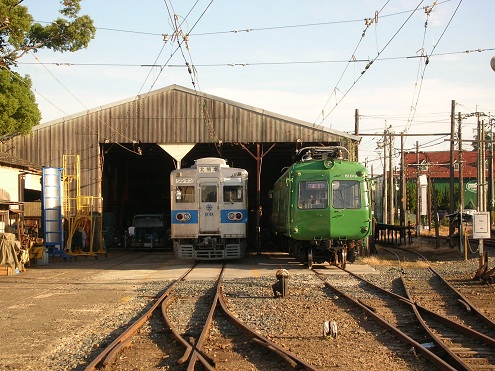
385,180
391,183
481,183
461,188
451,182
418,192
481,167
356,121
403,172
490,168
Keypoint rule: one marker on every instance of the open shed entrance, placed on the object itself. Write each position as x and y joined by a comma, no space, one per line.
136,177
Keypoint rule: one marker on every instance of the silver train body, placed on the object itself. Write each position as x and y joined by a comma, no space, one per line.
209,210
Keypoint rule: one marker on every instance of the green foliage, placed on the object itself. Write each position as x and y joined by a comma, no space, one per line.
18,109
411,196
20,35
442,195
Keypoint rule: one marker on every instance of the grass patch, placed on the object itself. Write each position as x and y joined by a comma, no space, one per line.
376,261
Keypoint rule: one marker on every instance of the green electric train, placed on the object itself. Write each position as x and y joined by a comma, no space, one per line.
321,207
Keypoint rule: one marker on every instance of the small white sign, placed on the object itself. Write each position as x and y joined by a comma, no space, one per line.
481,225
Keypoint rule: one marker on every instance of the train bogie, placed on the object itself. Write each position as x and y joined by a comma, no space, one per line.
209,210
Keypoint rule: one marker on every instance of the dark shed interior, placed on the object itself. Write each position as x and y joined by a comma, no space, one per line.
137,180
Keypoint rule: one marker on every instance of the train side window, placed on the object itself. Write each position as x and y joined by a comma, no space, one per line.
184,194
346,194
313,195
232,193
208,193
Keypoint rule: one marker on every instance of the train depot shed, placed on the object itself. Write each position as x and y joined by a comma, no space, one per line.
127,149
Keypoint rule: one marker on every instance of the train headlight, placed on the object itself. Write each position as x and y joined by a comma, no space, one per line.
364,229
328,163
295,230
232,216
183,217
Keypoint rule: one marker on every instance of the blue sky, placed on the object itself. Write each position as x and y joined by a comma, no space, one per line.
294,60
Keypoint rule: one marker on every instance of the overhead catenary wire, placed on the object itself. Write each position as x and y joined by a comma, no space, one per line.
192,70
427,57
111,127
258,29
368,65
368,23
283,62
248,64
419,76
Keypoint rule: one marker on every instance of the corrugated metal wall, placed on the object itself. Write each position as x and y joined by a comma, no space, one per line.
170,115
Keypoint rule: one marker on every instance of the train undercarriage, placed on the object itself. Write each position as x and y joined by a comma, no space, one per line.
210,248
337,252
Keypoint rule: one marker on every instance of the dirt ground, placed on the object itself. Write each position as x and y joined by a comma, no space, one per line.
55,316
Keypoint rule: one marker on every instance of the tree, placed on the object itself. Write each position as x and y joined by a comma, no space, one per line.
18,109
20,35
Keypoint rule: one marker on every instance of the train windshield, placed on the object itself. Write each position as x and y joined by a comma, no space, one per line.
313,194
184,194
346,194
208,193
232,193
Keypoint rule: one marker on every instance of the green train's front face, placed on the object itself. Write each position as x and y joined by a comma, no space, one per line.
329,201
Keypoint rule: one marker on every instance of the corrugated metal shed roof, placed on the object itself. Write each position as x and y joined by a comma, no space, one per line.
133,112
19,163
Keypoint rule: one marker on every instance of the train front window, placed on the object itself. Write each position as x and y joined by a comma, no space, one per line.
346,194
184,194
208,193
232,193
313,194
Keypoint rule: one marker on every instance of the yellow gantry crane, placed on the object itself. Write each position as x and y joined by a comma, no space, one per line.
82,214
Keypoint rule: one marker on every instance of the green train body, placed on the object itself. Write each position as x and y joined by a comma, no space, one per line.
321,207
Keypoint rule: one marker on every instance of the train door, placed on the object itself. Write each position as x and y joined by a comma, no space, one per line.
209,214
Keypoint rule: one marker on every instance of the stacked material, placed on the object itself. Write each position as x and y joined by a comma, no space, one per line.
10,252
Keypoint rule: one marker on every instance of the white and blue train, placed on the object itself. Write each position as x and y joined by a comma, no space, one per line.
209,210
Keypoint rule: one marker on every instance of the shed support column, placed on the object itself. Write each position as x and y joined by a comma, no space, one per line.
258,159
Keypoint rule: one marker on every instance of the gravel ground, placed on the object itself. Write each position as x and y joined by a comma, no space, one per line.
294,322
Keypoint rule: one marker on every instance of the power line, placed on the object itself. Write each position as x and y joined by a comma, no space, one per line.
368,65
257,29
250,64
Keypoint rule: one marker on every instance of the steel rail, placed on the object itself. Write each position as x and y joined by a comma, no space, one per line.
470,308
108,354
467,331
206,327
289,357
432,357
462,299
188,345
453,358
195,352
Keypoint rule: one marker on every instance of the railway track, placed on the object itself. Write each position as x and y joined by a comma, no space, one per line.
448,330
392,311
197,316
465,336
